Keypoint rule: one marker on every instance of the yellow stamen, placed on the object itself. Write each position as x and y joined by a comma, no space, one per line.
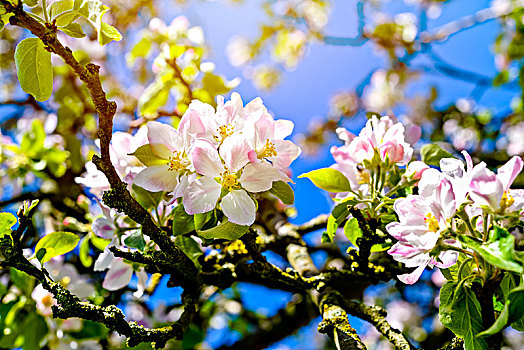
506,201
47,300
363,175
228,180
267,151
225,131
432,222
177,161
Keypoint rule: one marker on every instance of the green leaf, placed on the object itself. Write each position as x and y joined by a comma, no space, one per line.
147,199
331,230
33,141
74,30
182,222
190,247
201,219
99,242
7,220
57,8
93,10
225,230
328,179
352,231
136,240
283,191
461,313
214,84
498,250
31,3
141,49
34,331
34,68
57,243
432,154
146,156
83,254
108,33
513,311
22,281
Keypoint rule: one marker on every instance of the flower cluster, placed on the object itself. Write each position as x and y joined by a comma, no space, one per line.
428,220
218,157
382,141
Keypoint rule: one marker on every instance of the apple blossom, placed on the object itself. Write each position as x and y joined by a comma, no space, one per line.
127,166
422,221
490,190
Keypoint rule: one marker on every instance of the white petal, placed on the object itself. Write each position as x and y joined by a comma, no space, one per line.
164,139
118,276
142,281
157,178
104,260
201,195
239,207
206,159
235,152
283,128
411,278
103,227
258,177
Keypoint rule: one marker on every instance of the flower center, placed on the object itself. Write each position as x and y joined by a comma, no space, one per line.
177,161
225,131
228,180
267,151
432,222
47,300
506,201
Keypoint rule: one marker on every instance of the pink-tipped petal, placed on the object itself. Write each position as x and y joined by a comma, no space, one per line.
235,152
157,178
239,207
258,177
509,172
411,278
201,195
103,227
118,276
164,139
206,159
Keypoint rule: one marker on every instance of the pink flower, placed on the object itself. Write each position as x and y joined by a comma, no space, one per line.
126,166
415,170
422,219
490,190
169,161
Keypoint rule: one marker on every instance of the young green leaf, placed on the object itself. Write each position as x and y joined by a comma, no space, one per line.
56,243
283,191
498,251
7,220
182,222
62,12
74,30
225,230
83,253
147,199
352,231
432,154
136,240
93,11
204,219
34,68
461,313
328,179
31,3
146,155
190,247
